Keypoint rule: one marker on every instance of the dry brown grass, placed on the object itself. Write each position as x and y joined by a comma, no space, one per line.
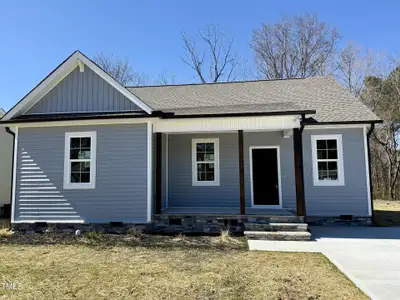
137,272
387,213
5,233
387,205
225,238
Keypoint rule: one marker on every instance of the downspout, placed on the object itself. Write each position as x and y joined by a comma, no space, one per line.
8,130
369,133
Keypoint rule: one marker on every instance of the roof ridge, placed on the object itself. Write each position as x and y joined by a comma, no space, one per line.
225,82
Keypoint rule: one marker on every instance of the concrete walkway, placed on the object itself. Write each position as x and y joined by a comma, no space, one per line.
369,256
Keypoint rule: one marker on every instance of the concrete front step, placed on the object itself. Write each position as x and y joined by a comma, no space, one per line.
276,227
278,235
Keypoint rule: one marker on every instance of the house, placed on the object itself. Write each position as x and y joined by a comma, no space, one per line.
6,142
91,152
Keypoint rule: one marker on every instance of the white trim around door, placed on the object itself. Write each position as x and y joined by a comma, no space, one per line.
279,176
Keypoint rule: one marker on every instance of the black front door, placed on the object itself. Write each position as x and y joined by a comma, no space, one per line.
265,176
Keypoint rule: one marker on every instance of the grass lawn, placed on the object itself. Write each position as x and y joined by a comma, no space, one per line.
149,267
387,213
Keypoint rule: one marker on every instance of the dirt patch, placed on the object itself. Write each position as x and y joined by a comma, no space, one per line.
133,239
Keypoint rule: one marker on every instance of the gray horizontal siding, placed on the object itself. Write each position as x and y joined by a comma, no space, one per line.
181,191
320,201
83,92
121,180
350,199
183,194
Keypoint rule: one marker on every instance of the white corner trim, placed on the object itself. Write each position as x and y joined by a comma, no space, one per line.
75,60
14,179
93,162
166,169
149,170
216,181
340,164
367,171
278,154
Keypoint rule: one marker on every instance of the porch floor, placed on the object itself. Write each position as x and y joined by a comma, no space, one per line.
227,211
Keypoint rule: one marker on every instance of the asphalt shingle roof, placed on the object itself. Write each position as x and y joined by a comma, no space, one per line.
332,102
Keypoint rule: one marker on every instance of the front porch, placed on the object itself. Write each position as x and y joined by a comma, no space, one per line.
276,224
222,171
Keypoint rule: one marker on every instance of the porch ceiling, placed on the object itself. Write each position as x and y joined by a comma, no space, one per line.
248,123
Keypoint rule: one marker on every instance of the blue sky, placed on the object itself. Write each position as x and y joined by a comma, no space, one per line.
37,35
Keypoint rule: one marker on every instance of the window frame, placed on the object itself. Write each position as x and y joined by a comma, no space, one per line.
216,181
67,161
339,160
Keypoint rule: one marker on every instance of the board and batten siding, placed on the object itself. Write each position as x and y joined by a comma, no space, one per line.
121,176
350,199
83,92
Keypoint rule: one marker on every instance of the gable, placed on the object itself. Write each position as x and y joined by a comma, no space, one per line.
81,92
95,91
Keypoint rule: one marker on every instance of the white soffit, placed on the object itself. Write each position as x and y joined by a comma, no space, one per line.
226,124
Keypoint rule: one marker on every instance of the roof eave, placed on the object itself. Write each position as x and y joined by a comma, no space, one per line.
73,118
247,114
343,122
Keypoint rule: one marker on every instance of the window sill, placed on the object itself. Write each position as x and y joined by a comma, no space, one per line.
79,186
328,183
205,183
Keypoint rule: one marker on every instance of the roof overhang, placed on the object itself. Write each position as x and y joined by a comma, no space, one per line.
227,124
343,122
175,125
77,59
246,114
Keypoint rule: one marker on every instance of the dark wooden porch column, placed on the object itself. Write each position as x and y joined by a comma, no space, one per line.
241,173
158,172
298,169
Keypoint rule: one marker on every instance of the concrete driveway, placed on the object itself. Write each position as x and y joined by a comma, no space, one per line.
369,256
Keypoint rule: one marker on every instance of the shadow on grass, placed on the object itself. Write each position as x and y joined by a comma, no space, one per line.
387,218
125,240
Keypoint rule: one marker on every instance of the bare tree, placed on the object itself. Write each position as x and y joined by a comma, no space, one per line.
120,69
299,47
165,78
382,94
353,66
211,55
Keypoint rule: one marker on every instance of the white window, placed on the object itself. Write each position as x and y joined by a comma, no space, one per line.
327,154
80,160
205,162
